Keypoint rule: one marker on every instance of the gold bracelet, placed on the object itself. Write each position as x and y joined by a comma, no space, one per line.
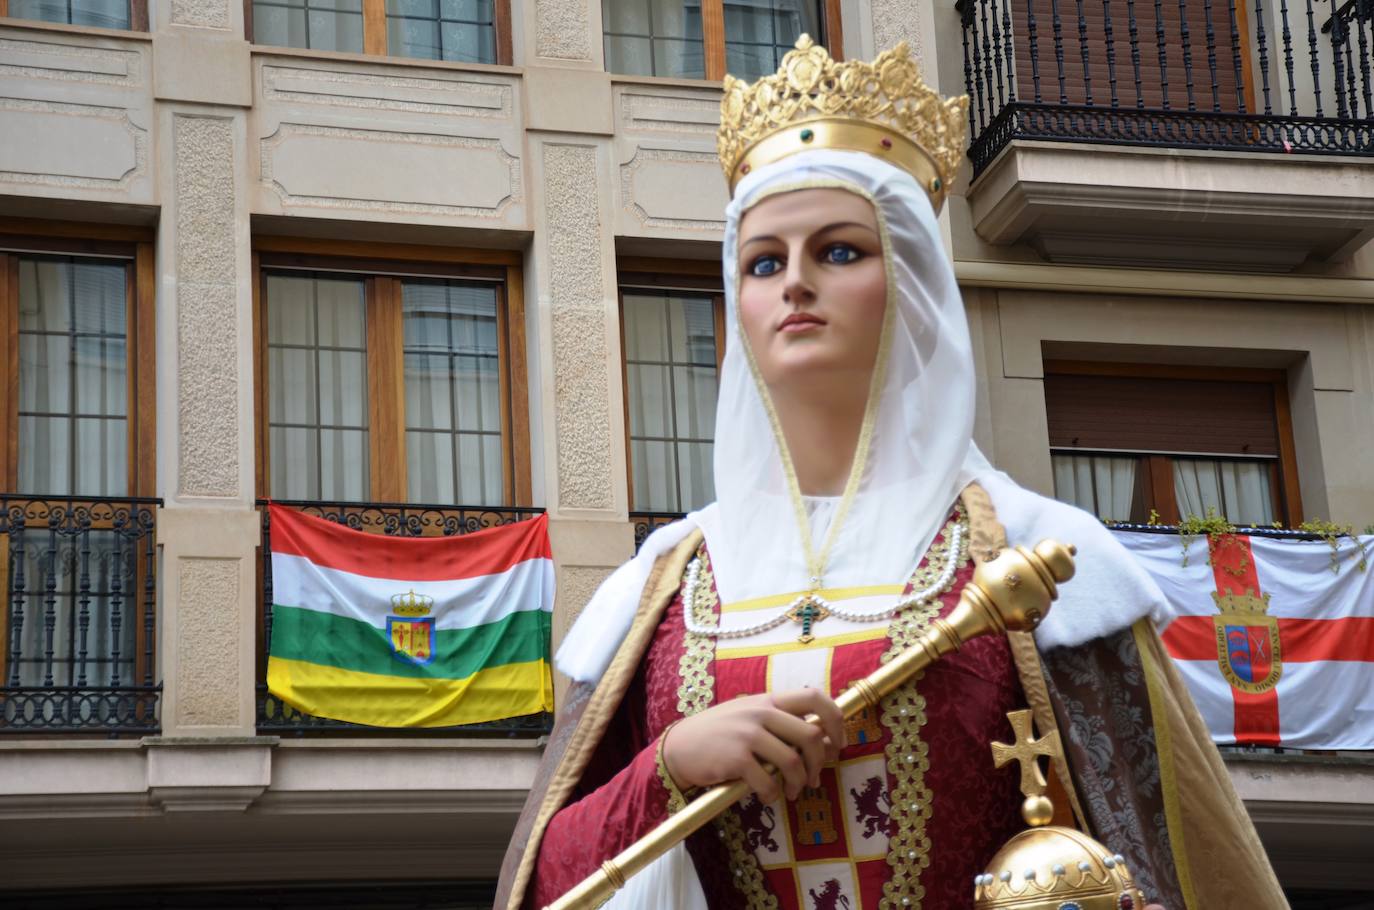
677,800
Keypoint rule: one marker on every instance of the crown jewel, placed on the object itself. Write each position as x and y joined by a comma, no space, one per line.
883,108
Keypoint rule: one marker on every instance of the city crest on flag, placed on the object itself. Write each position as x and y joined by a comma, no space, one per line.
1248,648
410,630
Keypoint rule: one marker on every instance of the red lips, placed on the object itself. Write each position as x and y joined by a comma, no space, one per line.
800,322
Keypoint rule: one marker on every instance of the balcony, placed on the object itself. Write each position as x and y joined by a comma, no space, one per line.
80,624
393,520
1184,133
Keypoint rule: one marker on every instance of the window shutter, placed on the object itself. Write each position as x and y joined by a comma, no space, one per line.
1185,416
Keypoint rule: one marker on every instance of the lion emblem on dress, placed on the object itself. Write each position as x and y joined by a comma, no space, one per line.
872,807
830,897
758,822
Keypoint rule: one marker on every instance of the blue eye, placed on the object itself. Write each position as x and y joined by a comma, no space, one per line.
764,266
841,253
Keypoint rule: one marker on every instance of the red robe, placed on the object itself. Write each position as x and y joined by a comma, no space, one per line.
827,858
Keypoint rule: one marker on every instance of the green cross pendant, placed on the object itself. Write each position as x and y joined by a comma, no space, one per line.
807,613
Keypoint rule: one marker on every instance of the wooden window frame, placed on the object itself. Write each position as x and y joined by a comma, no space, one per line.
713,34
382,266
138,15
1158,473
375,35
658,274
134,246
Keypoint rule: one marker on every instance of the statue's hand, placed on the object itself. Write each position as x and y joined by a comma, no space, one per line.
733,741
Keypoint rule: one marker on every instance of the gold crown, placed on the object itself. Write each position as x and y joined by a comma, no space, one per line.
1247,603
883,108
411,604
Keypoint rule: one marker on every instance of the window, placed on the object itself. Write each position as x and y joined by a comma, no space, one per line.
76,324
122,14
468,31
673,335
1128,440
391,378
705,39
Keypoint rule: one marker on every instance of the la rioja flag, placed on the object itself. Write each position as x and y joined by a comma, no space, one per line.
410,632
1276,648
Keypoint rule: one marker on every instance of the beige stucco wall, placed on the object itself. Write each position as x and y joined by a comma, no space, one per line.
191,130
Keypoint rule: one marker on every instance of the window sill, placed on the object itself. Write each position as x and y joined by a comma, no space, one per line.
38,25
270,50
714,85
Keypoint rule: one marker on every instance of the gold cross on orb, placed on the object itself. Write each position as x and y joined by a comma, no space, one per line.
1037,809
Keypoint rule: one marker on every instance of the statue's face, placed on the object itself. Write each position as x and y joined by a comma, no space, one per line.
813,285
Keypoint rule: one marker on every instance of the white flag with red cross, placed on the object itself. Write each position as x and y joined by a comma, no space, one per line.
1274,637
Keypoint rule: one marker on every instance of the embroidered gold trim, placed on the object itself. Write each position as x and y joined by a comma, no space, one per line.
677,800
694,696
908,755
697,685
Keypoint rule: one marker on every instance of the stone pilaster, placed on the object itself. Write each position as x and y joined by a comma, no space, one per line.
578,312
208,528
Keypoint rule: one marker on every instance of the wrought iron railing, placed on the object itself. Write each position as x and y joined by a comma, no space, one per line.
394,520
80,617
647,523
1170,73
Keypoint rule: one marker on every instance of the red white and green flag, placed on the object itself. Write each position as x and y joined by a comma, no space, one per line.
410,632
1274,637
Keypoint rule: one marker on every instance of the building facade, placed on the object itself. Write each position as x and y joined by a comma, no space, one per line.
422,267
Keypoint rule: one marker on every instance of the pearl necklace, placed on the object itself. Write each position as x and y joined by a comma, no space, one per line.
811,607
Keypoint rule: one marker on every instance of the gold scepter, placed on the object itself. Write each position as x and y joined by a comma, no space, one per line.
1011,592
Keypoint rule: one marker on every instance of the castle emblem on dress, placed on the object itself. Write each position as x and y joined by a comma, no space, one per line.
862,728
410,629
815,817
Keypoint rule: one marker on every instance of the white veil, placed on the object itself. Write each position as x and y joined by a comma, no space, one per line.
917,428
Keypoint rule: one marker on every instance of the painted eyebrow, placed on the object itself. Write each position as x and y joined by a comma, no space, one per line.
761,238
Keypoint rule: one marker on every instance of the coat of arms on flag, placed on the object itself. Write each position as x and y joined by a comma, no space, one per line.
410,632
1248,648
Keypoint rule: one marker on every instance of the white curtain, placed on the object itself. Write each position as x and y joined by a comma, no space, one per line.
73,441
1236,490
453,392
317,387
672,381
1101,484
759,32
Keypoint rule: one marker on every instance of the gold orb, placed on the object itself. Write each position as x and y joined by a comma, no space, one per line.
1053,868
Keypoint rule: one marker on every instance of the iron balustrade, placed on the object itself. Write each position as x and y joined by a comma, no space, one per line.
647,523
1198,74
393,520
80,616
